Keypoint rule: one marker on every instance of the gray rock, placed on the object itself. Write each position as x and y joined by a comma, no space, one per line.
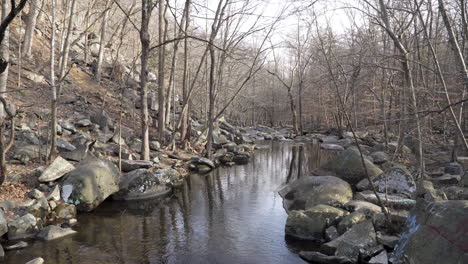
368,253
56,170
454,168
360,237
447,179
333,147
435,232
202,161
102,119
317,257
54,232
381,258
36,261
65,211
394,201
40,209
142,184
91,183
331,233
155,145
3,224
16,246
329,139
23,227
35,194
379,157
131,165
64,145
26,153
355,217
68,126
309,191
2,252
348,166
31,138
80,153
388,241
396,180
310,224
355,205
117,140
83,123
54,194
241,158
52,205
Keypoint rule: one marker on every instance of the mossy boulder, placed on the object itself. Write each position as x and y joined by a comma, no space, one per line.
90,184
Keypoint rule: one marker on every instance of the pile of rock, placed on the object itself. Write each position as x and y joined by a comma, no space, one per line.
345,216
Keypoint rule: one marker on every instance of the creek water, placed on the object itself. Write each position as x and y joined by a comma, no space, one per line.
231,215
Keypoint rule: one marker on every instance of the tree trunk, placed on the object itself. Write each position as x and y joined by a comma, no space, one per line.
5,54
161,62
102,44
66,48
53,106
145,42
30,26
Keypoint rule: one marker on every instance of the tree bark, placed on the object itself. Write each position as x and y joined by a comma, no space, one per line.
30,26
53,106
146,10
102,44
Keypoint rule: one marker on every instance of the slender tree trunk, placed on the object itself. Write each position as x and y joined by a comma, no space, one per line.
161,62
102,44
145,42
66,48
183,130
53,107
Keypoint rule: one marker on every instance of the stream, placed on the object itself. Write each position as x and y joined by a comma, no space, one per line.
231,215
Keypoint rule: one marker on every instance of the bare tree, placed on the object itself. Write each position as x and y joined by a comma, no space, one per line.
8,109
146,9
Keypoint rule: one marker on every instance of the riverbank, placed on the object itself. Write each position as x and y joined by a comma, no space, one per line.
396,217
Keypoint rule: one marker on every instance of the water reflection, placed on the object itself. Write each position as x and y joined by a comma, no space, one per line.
232,215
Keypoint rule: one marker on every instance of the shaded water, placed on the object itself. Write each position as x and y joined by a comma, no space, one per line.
232,215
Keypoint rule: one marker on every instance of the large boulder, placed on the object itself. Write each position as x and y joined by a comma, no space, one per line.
56,170
348,166
311,223
435,233
143,184
360,237
23,227
397,180
309,191
90,184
